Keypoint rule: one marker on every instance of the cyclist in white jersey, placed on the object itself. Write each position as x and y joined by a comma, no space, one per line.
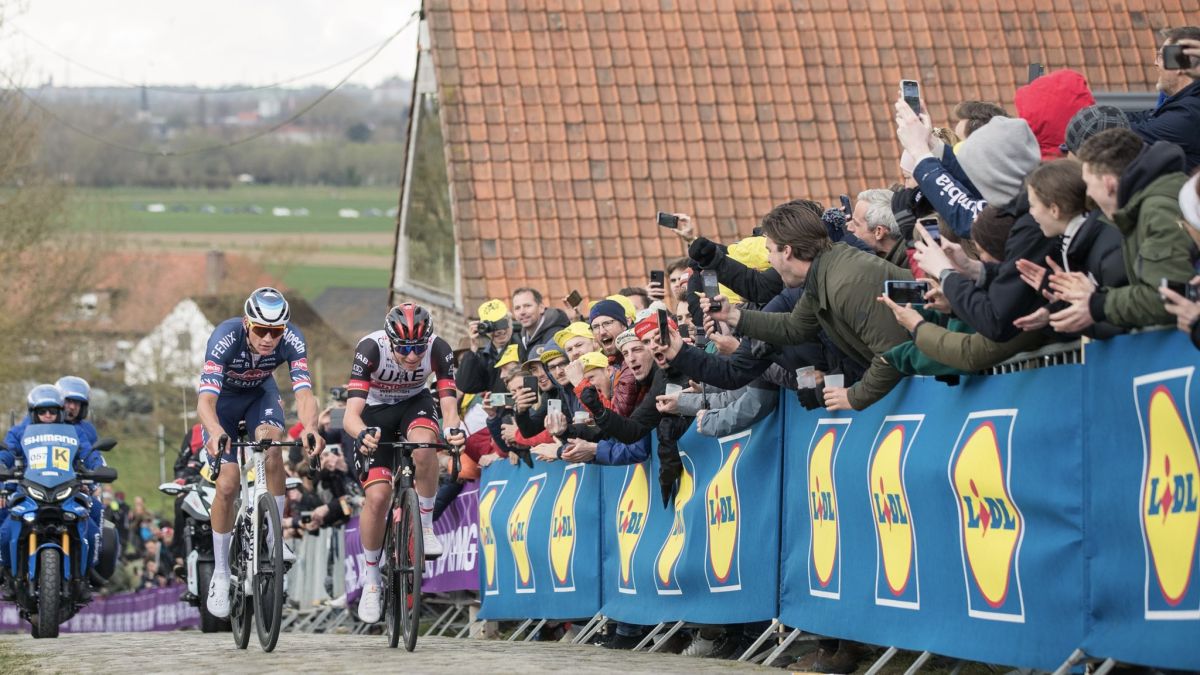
390,401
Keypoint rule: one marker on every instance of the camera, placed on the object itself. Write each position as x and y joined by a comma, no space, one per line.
489,327
339,394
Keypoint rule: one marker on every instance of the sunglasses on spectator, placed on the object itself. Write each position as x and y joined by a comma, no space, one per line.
264,331
406,348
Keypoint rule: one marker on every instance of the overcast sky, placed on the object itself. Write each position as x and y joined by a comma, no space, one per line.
208,43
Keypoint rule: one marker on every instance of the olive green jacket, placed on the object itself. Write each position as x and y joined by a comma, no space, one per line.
840,297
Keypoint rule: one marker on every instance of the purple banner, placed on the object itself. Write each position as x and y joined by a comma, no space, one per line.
157,609
457,529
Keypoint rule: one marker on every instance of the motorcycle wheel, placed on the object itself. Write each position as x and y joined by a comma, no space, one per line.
268,582
49,593
208,622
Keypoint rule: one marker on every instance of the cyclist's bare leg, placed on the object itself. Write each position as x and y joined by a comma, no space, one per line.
273,458
222,506
376,507
425,462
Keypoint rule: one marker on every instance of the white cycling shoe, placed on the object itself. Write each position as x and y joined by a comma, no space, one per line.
289,556
433,547
370,606
218,597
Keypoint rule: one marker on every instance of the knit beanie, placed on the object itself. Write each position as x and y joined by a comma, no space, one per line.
626,337
611,309
991,229
998,156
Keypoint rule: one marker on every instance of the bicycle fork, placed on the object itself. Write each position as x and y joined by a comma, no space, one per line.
260,487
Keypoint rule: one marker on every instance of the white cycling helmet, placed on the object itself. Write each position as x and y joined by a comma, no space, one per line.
266,306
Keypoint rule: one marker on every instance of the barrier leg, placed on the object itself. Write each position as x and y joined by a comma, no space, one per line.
774,627
787,642
1105,667
520,629
667,636
450,622
586,631
649,636
584,637
912,670
1076,656
438,621
535,630
878,665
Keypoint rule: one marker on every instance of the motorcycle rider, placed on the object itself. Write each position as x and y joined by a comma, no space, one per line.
236,384
46,406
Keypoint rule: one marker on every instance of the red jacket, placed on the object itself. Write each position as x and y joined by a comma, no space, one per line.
1048,104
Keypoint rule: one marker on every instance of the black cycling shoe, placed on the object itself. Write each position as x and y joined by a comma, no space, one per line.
622,641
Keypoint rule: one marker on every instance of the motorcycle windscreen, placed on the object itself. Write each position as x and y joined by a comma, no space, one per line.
50,452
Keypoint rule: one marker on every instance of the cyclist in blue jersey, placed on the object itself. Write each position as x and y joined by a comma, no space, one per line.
237,384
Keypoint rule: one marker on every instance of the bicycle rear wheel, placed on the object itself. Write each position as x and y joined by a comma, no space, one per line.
241,606
268,580
389,566
412,566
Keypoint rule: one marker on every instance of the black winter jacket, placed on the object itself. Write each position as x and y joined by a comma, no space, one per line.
1176,121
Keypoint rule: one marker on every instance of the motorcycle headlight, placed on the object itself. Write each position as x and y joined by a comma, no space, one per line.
62,493
37,493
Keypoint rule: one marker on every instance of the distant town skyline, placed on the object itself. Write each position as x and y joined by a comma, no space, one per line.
211,44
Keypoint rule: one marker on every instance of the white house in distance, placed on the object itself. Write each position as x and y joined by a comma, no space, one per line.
174,349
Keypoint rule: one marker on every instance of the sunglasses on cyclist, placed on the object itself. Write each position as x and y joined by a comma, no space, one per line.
406,348
264,331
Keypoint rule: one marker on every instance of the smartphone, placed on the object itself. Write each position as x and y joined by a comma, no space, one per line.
1173,58
673,389
574,299
684,330
911,91
664,335
668,220
1187,290
712,288
554,405
658,277
530,382
847,208
1035,71
306,517
931,226
498,400
906,292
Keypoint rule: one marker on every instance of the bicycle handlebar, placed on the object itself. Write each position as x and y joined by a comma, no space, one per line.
225,443
454,451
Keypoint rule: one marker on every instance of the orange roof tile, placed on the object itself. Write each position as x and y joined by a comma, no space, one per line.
571,122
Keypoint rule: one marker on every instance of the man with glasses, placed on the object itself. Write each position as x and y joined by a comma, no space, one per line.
236,384
389,401
609,319
1177,114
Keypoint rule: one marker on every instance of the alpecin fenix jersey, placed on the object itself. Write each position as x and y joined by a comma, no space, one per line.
231,365
377,375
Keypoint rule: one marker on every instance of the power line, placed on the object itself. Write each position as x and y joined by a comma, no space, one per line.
219,146
130,83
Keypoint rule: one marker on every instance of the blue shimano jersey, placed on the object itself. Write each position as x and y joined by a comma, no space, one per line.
70,434
85,429
231,366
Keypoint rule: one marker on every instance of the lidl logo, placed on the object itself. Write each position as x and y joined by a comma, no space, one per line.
896,578
562,531
518,533
667,563
487,535
990,525
632,511
1168,507
824,559
722,509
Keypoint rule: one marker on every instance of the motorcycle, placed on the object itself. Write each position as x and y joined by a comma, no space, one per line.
198,547
53,565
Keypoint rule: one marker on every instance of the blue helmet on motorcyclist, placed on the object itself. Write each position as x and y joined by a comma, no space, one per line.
45,403
77,391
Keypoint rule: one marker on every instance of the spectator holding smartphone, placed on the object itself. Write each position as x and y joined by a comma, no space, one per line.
1177,116
1186,310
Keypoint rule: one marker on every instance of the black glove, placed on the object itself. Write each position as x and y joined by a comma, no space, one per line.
670,466
904,207
762,350
811,398
590,398
703,251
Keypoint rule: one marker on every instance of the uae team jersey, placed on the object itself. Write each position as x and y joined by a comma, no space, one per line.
231,366
377,375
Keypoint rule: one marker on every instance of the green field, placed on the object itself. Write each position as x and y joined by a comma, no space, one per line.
137,473
311,280
124,209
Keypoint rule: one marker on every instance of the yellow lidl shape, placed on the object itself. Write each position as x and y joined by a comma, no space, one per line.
1169,502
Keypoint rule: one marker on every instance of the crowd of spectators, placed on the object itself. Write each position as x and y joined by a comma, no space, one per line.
1064,220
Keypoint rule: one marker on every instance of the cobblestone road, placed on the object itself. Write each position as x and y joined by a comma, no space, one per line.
191,652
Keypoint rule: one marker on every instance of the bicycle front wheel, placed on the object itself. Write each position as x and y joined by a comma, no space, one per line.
268,578
389,565
241,606
411,543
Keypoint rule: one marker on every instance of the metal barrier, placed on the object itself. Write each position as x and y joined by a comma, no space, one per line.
1057,354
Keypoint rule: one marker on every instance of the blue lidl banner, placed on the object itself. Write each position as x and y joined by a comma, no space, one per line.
1143,505
710,556
539,531
947,519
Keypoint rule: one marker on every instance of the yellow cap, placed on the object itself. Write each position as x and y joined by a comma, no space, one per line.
593,360
509,356
576,329
751,252
493,310
625,304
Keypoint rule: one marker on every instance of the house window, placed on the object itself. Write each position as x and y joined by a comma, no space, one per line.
426,259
